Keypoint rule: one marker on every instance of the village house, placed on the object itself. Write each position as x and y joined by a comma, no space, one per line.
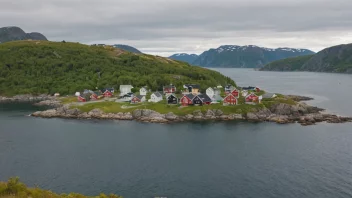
216,99
230,100
77,94
252,99
244,93
172,99
156,97
169,89
94,96
125,98
143,91
191,88
187,99
201,99
211,92
228,89
137,99
235,93
81,99
125,89
107,92
250,88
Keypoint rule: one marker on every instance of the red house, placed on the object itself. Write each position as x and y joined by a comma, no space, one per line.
137,99
94,96
187,100
252,98
257,89
107,93
169,89
235,93
81,99
230,100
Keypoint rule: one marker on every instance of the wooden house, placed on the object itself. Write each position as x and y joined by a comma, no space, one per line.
107,92
156,97
235,93
94,96
125,89
244,93
126,98
187,99
211,92
201,99
143,91
137,99
192,88
229,89
169,89
230,100
172,99
252,99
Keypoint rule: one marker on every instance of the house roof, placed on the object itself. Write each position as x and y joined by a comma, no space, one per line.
204,98
139,96
251,95
192,85
107,89
190,96
228,86
97,93
248,88
171,95
126,87
157,94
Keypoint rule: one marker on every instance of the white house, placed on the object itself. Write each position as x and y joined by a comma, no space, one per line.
156,97
56,94
77,94
211,92
244,93
143,91
125,89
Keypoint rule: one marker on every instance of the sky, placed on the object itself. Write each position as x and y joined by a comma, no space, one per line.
165,27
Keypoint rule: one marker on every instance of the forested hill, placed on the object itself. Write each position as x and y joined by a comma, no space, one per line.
333,59
15,33
48,67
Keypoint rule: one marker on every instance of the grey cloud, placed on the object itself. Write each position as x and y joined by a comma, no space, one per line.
168,26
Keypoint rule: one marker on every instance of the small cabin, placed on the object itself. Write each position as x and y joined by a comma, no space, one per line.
172,99
235,93
244,93
192,88
137,99
156,97
230,100
169,89
252,99
81,99
143,91
187,99
56,94
125,89
107,93
201,99
126,98
77,94
94,96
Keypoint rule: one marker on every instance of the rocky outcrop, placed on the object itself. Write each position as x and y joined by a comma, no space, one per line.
50,103
26,98
279,113
299,98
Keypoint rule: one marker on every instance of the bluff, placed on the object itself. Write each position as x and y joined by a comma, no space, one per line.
128,48
16,33
43,67
337,59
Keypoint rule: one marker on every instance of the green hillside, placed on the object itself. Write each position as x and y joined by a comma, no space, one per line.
37,67
288,64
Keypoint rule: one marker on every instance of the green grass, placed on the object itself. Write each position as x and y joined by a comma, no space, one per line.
13,188
68,99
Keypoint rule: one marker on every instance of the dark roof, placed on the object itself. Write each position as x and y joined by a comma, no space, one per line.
98,93
204,98
171,95
157,94
248,88
190,96
139,96
192,85
228,86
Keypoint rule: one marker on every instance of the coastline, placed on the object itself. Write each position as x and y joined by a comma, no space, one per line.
280,113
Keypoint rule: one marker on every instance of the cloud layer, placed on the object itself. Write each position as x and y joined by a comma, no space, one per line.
168,26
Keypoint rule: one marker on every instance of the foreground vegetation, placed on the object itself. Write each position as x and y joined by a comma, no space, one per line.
13,188
36,67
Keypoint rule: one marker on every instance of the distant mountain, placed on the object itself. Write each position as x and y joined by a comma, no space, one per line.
249,56
189,58
128,48
16,33
333,59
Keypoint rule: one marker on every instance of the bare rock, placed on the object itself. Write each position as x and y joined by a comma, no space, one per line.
96,113
197,113
171,116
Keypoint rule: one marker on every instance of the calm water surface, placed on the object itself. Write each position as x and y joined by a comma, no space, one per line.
188,160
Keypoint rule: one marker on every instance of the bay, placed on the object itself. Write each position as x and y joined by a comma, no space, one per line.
189,159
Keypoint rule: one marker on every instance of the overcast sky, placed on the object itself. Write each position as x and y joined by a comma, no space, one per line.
165,27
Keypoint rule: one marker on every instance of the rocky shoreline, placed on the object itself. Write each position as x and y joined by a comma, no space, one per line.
278,113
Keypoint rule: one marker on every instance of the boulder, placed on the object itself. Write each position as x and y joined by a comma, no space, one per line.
197,113
96,113
171,116
235,117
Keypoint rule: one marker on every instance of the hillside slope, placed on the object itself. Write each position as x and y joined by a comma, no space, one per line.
128,48
16,33
249,56
189,58
333,59
48,67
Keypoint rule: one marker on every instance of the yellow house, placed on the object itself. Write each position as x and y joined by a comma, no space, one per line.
192,88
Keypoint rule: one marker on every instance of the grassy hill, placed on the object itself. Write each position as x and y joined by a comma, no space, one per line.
36,67
288,64
337,59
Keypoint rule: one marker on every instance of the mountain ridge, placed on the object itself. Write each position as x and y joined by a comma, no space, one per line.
14,33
